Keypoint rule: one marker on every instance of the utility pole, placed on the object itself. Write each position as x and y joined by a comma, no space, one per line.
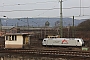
73,26
27,23
0,25
61,22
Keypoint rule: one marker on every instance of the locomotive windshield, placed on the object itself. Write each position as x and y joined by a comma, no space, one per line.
82,40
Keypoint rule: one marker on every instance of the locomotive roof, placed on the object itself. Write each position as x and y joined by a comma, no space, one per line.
63,38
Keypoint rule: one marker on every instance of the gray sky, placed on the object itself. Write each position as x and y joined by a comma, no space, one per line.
33,8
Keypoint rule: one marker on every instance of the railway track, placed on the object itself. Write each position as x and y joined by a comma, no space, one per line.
47,52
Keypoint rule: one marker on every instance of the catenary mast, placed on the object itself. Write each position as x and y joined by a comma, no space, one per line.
61,22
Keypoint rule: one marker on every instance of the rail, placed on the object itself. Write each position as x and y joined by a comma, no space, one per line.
47,52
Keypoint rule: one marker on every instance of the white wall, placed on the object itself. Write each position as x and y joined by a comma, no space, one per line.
18,41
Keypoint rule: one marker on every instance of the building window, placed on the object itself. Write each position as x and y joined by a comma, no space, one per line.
6,37
11,37
15,37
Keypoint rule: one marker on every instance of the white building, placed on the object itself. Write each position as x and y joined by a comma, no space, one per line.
16,40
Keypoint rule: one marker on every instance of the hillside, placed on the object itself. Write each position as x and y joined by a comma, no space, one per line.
37,21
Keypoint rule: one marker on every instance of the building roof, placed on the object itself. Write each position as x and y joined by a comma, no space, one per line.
17,34
7,27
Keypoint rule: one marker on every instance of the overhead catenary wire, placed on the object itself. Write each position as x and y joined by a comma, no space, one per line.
43,9
64,16
18,4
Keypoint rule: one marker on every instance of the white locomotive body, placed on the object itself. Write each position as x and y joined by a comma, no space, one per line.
63,42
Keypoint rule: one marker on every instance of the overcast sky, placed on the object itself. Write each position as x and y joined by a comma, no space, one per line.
39,8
